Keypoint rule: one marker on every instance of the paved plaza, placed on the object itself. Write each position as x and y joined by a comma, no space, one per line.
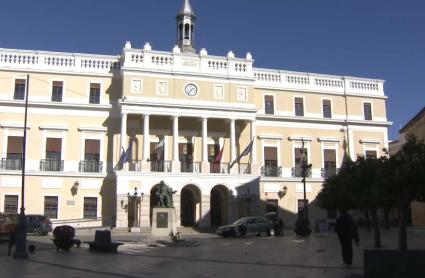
199,255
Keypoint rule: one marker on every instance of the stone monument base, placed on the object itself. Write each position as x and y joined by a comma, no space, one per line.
164,222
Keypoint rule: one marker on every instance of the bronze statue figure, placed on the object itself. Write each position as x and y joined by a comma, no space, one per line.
165,195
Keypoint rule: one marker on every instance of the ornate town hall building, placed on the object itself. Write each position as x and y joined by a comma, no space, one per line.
100,127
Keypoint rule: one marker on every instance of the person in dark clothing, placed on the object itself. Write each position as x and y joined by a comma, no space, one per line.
347,232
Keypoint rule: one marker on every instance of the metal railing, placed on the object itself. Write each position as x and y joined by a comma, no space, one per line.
135,165
244,168
161,166
329,172
90,166
190,167
298,172
11,164
219,168
53,165
271,171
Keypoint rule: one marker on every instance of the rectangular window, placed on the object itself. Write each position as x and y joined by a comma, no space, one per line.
327,109
90,208
51,207
53,148
14,153
94,93
367,109
269,105
20,85
91,150
299,106
57,91
299,156
371,154
270,162
10,203
329,159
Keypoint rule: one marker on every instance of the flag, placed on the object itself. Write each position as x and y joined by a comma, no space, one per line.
122,157
245,152
159,149
128,153
217,157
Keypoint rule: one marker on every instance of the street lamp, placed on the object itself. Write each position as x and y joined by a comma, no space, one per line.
21,227
135,199
305,167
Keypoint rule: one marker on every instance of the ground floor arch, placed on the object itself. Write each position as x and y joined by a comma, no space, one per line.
219,205
190,206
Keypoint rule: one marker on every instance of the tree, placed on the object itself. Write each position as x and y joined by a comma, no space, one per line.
407,181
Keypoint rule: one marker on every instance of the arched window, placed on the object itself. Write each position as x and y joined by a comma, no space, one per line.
186,31
180,31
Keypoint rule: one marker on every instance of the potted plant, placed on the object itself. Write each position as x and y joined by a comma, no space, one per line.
63,237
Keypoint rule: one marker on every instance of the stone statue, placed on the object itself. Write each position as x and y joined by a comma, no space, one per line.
165,195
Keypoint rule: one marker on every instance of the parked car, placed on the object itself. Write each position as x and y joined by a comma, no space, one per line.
38,224
7,224
247,226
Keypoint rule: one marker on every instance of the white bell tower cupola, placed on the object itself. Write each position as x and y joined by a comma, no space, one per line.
185,28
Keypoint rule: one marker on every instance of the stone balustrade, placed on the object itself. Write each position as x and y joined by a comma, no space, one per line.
286,80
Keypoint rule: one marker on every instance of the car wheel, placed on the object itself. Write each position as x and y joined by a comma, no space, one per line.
37,231
238,233
271,232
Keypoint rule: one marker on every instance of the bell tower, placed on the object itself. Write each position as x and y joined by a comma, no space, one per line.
185,28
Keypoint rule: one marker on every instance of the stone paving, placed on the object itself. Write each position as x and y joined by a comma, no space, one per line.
202,255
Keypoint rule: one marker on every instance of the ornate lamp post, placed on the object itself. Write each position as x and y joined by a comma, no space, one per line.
305,168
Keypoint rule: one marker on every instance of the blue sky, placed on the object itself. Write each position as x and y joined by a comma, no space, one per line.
382,39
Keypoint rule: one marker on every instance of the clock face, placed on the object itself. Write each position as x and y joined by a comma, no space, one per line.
191,90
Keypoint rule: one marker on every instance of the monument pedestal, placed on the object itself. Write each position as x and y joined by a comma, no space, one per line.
164,222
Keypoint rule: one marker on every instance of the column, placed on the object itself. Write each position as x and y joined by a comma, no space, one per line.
254,168
176,162
146,144
205,166
123,136
235,167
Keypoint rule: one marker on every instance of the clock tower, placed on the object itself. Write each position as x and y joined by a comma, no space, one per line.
185,28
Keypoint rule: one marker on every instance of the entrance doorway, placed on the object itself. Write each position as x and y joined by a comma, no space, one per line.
219,204
190,206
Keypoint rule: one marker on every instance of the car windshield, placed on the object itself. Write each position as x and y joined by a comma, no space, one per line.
240,221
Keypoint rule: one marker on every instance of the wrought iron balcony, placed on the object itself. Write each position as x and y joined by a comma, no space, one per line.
244,168
11,164
298,172
219,168
271,171
190,167
90,166
135,165
329,172
53,165
161,166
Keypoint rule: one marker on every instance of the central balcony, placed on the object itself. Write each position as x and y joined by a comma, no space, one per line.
271,171
90,166
297,172
51,165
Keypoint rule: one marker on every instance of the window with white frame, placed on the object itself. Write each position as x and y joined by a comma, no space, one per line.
10,204
327,108
94,97
20,85
90,208
57,91
51,207
299,106
367,111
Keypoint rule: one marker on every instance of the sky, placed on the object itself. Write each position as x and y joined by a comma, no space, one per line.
383,39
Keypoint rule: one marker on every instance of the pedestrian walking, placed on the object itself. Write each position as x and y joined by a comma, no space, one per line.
347,233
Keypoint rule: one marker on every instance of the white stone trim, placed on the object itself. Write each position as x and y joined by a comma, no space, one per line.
51,127
328,139
300,138
370,141
269,137
52,183
92,129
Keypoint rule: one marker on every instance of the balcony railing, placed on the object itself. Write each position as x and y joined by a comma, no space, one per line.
90,166
271,171
52,165
244,168
219,168
329,172
161,166
135,165
298,172
11,164
190,167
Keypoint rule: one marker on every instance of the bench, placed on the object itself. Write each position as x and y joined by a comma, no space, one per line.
103,243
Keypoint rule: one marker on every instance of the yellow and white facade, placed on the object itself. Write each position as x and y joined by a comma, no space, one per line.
84,110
